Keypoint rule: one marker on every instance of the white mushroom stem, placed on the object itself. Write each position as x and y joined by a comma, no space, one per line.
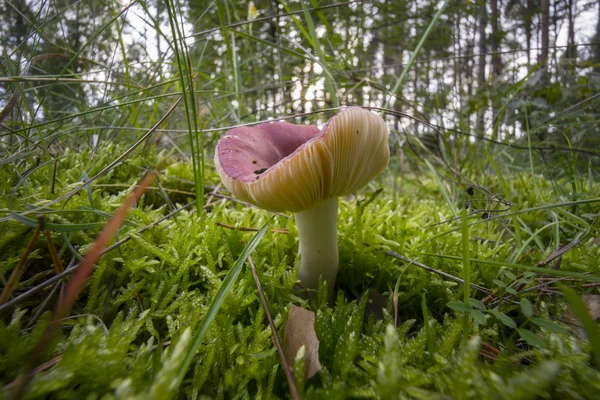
317,231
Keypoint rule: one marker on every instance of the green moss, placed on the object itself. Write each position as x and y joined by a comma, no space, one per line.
122,339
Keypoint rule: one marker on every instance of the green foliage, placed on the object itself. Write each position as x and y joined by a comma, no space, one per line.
145,298
131,334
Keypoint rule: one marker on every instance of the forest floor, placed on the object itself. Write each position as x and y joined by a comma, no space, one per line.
405,254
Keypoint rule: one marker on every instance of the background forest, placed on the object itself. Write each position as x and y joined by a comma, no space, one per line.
493,110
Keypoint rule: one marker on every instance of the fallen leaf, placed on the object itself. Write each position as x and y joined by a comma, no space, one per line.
300,331
592,301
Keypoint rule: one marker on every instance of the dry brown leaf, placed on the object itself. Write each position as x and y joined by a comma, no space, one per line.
300,331
592,301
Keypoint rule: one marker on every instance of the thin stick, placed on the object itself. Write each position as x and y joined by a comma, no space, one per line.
53,253
42,306
41,368
213,192
16,273
277,342
487,354
558,253
435,271
246,229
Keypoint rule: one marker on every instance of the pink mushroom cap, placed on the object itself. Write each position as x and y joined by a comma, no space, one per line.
280,166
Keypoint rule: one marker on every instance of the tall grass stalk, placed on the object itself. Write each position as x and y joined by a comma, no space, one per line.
466,266
414,55
218,300
187,81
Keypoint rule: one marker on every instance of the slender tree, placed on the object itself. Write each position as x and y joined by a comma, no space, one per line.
495,39
545,35
596,46
482,64
571,50
529,11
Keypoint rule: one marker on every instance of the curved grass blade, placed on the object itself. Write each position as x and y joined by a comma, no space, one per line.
78,281
217,301
442,188
547,271
414,55
513,213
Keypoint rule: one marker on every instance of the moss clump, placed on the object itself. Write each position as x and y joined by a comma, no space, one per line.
127,329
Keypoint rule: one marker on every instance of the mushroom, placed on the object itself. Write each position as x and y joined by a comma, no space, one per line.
279,166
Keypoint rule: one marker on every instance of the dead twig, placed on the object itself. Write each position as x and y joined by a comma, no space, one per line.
558,253
53,253
487,354
213,192
13,281
245,229
435,271
286,368
41,368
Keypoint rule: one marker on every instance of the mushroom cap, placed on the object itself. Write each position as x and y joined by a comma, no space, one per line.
279,166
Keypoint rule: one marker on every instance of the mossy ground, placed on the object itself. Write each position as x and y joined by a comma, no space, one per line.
121,338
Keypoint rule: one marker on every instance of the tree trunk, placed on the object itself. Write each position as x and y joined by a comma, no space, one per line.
596,47
495,41
481,68
458,62
571,50
528,22
545,32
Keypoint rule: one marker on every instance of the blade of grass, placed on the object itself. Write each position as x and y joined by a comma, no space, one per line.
218,300
79,280
119,29
506,191
189,99
514,257
513,213
442,188
466,250
286,368
99,174
414,55
319,50
547,271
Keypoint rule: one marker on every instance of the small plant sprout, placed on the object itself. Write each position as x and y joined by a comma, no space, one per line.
279,166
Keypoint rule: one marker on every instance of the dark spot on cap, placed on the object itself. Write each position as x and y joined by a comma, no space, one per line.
260,171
